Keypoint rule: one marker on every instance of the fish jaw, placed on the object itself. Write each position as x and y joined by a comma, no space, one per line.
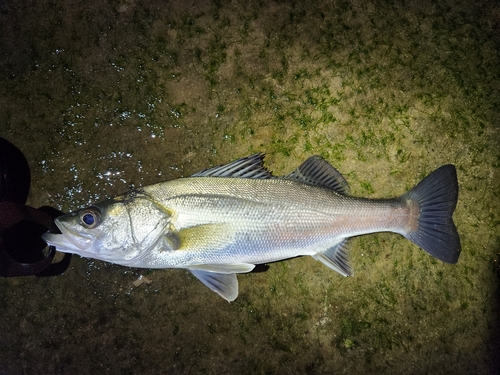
68,241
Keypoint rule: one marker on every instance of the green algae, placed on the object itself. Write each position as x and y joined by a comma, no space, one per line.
103,96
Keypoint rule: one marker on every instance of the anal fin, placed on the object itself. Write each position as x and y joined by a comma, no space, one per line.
336,258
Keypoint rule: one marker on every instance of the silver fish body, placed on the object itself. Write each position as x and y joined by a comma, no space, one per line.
227,219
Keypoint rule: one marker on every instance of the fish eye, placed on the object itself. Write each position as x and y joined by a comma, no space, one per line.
90,217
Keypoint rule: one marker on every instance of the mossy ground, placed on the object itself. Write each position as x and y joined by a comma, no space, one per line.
107,94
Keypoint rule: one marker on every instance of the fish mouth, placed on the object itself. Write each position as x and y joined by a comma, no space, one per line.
69,241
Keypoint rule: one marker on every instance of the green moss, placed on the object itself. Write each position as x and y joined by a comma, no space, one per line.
104,96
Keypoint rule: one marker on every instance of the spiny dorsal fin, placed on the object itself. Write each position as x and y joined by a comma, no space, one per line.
316,171
248,167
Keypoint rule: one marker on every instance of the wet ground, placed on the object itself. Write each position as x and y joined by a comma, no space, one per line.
104,95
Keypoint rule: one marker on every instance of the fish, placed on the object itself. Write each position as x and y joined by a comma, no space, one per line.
227,219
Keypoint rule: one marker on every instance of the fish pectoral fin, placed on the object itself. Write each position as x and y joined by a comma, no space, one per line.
205,236
224,284
336,258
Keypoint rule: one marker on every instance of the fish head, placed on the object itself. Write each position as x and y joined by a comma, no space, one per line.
117,230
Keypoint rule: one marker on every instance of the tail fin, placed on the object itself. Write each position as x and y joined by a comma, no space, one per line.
436,196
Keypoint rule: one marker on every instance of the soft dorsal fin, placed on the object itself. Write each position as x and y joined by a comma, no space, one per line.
316,171
248,167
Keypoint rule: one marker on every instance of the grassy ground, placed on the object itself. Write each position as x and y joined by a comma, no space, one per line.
106,94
